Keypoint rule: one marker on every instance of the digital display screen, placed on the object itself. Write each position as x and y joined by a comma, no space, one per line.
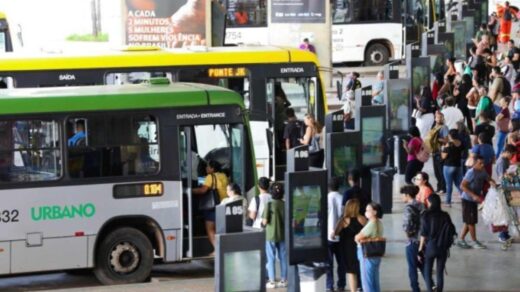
419,78
437,63
242,271
343,159
306,216
227,72
399,101
372,134
459,30
138,190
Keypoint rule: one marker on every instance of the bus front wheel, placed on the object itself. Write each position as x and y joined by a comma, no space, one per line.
377,55
124,256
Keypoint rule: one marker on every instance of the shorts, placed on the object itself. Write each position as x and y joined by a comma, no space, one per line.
209,215
469,212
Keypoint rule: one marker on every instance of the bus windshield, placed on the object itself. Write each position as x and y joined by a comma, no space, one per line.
242,13
354,11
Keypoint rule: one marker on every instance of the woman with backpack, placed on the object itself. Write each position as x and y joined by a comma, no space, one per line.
437,236
412,148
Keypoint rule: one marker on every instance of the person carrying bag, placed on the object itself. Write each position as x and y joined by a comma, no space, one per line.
371,247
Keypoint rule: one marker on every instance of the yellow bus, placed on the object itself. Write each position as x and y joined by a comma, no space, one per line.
6,44
270,79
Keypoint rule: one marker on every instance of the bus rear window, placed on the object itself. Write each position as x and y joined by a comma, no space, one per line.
243,13
113,145
29,151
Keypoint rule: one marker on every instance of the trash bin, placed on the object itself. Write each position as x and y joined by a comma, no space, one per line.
400,154
382,187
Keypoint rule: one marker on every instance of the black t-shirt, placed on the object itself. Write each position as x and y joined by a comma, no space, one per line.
485,127
431,223
454,155
293,131
511,53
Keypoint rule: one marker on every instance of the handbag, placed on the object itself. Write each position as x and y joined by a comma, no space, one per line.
374,247
211,198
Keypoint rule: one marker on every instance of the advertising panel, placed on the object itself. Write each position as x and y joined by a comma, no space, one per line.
165,24
297,11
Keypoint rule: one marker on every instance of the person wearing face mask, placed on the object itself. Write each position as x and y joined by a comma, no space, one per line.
369,267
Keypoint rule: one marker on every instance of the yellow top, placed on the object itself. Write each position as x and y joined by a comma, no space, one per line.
221,184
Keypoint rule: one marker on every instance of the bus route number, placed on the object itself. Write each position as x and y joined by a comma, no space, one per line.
9,216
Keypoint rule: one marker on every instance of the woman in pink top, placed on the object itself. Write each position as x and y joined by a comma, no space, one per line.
412,147
425,188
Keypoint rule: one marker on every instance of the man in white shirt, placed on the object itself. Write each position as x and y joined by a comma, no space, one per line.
334,212
349,111
452,115
256,211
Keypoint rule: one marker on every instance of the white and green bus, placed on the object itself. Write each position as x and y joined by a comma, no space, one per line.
117,197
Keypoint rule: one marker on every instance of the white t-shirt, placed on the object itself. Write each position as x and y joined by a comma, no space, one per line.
334,211
451,116
349,107
264,198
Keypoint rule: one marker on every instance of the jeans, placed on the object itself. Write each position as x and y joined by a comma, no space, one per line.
501,141
428,266
412,168
412,249
504,235
452,175
437,169
335,252
369,269
271,249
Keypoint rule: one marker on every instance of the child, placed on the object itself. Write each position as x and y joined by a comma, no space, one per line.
504,160
273,220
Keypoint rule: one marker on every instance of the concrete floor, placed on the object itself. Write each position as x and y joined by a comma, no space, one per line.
468,270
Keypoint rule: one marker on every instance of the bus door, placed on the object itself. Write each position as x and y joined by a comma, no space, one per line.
285,95
199,145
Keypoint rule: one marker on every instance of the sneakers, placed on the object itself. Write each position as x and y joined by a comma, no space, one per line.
282,284
478,245
463,244
270,285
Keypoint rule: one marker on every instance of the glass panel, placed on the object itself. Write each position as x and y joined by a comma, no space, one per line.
222,143
29,151
134,77
246,13
113,145
347,11
3,43
234,78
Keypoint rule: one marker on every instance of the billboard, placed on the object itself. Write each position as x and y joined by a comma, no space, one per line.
165,23
297,11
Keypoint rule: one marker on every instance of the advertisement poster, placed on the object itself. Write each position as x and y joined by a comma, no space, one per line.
166,23
297,11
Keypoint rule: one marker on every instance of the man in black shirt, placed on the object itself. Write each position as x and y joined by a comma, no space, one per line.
293,130
484,126
514,54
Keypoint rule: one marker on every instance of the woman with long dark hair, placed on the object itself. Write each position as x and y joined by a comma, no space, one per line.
460,93
432,221
425,105
422,180
412,148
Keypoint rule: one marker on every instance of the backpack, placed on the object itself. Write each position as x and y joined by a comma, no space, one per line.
249,221
506,87
490,109
431,141
444,239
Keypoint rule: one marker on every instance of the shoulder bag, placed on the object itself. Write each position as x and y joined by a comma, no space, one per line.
211,198
374,247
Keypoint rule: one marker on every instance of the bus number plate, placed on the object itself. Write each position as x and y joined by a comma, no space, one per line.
9,216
